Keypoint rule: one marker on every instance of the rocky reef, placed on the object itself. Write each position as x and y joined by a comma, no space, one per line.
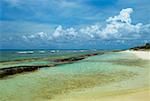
20,69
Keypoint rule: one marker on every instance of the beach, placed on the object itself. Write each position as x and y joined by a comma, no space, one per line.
122,91
140,54
74,50
112,76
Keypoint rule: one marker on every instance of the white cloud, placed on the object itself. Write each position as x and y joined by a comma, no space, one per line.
39,35
25,38
90,31
71,31
116,27
121,25
58,31
124,16
146,28
42,35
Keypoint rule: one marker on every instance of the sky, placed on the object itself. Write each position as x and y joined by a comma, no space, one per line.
74,24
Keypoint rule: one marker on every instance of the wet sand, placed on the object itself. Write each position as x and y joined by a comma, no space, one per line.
137,96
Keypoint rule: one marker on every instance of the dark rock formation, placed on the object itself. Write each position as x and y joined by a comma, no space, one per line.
20,69
73,59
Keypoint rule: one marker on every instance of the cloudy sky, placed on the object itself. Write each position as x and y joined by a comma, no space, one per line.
74,24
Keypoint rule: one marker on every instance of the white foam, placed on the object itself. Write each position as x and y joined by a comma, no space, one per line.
25,52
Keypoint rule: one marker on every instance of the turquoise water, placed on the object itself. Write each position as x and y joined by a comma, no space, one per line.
96,71
36,57
34,54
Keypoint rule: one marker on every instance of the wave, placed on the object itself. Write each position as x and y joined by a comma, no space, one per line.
41,51
25,52
54,51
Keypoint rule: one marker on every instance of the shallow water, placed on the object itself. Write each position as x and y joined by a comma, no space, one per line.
13,58
100,72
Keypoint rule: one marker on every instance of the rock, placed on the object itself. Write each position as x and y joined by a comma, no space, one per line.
20,69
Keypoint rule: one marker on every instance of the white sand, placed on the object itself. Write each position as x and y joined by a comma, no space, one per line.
140,54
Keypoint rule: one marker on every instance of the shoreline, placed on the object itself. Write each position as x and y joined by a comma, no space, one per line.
145,55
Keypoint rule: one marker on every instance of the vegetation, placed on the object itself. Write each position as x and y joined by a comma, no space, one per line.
144,47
